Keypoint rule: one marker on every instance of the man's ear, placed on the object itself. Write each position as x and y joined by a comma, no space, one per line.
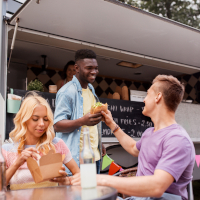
77,68
158,97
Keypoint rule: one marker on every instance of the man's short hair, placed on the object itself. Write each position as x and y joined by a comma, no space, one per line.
172,90
84,53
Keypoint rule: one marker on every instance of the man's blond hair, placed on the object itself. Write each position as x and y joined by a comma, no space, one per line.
172,90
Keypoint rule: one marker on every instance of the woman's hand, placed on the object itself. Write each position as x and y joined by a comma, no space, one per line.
25,154
76,179
103,150
108,119
21,159
62,180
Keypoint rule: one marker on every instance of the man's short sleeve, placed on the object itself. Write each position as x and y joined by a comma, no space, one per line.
63,107
138,144
145,134
176,156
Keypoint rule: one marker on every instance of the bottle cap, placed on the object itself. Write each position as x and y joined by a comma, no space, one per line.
85,130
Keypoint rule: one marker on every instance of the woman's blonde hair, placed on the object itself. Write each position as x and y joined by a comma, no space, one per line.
26,110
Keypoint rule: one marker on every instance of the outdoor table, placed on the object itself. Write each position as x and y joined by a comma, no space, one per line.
63,193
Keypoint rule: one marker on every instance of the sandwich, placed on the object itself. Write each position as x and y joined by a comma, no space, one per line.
98,107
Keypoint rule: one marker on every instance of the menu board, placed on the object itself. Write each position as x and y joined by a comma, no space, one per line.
127,114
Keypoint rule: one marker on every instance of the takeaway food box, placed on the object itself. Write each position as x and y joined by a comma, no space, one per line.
48,167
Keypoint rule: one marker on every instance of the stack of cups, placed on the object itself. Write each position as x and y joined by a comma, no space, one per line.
52,88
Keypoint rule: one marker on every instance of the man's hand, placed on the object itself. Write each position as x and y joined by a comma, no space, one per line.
76,179
91,119
103,150
62,180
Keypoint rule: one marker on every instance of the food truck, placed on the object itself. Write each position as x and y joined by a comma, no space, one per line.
132,46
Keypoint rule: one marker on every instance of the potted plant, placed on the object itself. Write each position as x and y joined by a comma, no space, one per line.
36,85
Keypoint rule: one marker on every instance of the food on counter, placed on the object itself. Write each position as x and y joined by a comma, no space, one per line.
52,88
118,89
98,107
116,96
110,96
125,95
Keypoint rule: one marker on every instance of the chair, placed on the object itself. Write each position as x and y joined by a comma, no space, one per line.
121,157
190,191
126,173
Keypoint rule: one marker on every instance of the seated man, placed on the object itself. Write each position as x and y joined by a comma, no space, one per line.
166,152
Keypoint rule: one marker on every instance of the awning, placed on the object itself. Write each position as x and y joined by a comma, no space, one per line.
116,27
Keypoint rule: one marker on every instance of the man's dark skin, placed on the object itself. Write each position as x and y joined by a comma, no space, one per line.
86,72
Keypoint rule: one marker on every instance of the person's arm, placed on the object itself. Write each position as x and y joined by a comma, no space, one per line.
68,126
68,161
72,166
128,143
65,179
11,171
25,154
63,112
59,84
141,186
103,150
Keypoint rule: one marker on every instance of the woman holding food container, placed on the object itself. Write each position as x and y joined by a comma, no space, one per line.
33,136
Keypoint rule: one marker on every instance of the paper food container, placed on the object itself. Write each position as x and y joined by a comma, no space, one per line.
48,167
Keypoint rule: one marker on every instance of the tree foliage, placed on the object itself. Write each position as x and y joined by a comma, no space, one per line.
183,11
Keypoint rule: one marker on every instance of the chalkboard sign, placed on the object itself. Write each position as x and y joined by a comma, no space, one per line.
128,115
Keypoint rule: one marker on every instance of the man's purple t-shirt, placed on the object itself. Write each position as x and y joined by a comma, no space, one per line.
169,149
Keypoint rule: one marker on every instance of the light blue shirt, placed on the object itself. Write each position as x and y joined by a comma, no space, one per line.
69,105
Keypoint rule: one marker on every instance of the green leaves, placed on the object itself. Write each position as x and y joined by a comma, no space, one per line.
36,85
183,11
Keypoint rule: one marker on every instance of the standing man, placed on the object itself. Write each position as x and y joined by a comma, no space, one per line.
73,104
166,154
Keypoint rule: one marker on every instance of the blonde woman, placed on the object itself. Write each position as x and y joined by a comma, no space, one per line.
33,136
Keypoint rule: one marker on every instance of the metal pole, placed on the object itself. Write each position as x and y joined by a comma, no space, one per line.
3,68
13,41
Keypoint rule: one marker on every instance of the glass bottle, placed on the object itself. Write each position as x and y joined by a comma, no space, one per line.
2,173
87,162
